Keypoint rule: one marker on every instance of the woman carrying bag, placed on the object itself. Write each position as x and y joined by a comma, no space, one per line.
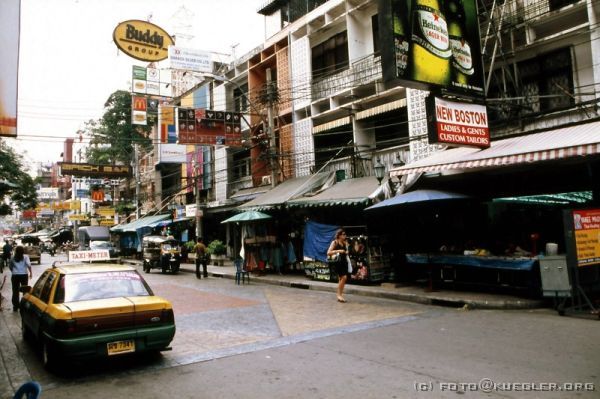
338,249
19,266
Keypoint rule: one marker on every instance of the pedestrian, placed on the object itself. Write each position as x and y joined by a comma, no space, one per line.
200,250
339,249
6,254
19,266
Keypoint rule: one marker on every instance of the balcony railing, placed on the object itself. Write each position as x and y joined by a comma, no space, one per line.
360,72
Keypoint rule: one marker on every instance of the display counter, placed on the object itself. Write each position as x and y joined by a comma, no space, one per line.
490,262
489,271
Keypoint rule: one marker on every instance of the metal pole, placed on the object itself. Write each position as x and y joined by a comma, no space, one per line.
137,181
197,193
270,130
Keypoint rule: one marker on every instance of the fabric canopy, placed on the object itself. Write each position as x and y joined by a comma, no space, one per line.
95,233
569,142
288,190
247,216
357,191
417,196
147,221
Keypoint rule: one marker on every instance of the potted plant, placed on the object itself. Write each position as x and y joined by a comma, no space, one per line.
189,247
217,251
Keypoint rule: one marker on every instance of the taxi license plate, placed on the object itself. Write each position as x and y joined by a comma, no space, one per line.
119,347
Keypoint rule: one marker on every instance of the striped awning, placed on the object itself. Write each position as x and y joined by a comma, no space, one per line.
380,109
332,125
568,142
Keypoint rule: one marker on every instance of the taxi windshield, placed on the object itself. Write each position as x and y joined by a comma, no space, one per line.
100,285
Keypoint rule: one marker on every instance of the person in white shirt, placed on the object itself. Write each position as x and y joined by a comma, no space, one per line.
20,267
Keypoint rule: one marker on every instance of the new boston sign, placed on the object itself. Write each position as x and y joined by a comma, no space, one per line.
457,123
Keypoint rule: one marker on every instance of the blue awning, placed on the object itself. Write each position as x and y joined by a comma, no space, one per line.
148,221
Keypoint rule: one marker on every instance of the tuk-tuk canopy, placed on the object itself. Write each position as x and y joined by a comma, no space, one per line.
157,240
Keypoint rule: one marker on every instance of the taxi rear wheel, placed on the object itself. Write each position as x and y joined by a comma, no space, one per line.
48,356
25,332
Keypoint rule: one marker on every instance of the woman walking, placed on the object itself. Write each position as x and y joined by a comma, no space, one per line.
339,248
19,266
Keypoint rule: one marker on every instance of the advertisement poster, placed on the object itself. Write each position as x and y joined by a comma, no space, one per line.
429,43
458,124
9,55
586,224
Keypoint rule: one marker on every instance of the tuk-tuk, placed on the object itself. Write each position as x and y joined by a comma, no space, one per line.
160,252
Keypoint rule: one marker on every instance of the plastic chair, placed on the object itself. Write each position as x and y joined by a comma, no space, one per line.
29,390
240,272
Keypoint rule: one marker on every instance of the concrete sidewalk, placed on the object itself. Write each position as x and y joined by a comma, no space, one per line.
410,293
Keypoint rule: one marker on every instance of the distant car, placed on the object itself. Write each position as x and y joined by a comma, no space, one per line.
31,248
104,245
94,311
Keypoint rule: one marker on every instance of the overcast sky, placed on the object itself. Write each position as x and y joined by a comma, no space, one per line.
69,65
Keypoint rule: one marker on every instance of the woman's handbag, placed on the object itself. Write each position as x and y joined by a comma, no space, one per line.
335,258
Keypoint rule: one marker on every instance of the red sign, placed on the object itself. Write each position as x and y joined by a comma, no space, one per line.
138,103
208,127
459,124
29,214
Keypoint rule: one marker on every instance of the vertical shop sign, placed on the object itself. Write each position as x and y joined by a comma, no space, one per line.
10,11
586,224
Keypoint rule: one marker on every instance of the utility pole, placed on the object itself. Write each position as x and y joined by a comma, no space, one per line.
270,128
137,181
195,165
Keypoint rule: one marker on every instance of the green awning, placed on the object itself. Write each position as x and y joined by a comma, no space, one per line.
358,191
147,221
288,190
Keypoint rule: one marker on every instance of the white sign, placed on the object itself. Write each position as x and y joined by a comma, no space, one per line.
172,153
190,59
9,55
81,256
47,193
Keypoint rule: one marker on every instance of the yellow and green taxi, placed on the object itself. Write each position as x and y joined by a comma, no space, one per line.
94,310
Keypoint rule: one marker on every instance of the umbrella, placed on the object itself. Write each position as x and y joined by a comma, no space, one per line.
247,216
417,196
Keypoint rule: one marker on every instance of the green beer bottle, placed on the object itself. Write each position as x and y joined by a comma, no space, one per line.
462,60
401,37
430,53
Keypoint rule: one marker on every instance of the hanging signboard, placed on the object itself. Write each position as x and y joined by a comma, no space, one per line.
427,44
190,59
586,228
208,127
9,54
85,169
457,123
142,40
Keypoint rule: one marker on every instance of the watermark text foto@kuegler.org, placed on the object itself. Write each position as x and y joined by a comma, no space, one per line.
487,385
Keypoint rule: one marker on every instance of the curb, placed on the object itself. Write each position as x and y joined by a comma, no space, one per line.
455,300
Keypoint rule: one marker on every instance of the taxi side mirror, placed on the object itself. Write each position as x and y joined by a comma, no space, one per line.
25,289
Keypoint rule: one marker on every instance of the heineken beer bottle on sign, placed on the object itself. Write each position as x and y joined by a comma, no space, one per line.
400,42
430,53
462,61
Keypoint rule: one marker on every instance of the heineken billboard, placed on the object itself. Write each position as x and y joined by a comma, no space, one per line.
431,43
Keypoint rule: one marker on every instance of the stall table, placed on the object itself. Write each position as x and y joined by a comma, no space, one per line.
513,272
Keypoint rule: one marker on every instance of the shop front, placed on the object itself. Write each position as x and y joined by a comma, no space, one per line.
508,210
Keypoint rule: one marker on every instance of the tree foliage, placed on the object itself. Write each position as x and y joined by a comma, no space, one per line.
15,182
113,136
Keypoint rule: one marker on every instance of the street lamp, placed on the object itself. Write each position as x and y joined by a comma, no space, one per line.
379,170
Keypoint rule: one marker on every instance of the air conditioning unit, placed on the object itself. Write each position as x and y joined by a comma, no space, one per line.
266,180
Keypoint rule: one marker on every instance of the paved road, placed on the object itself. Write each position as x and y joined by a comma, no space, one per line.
268,341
